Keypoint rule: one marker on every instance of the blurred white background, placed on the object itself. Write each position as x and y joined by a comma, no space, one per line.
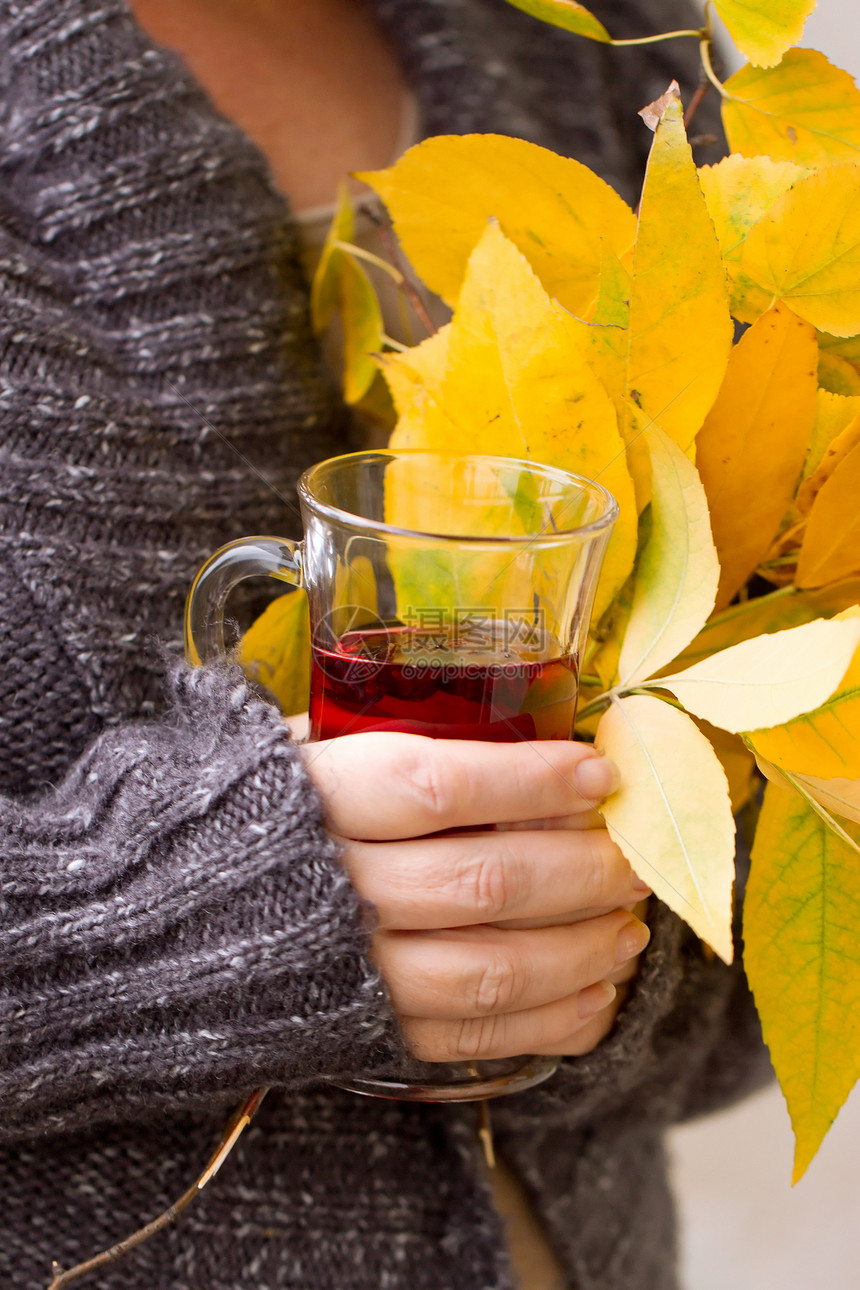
743,1227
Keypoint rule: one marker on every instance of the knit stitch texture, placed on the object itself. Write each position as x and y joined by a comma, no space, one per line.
175,927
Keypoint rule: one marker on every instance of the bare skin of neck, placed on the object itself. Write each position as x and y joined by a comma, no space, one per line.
312,82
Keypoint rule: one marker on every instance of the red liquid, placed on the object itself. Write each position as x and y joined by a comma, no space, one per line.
430,683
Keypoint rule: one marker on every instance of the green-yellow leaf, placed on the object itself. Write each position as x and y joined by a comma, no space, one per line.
275,651
804,110
751,449
681,330
831,543
672,817
561,215
801,954
325,288
764,29
806,250
512,378
824,742
678,573
837,375
768,680
566,14
361,320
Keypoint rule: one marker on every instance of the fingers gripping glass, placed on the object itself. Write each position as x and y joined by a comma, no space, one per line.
449,596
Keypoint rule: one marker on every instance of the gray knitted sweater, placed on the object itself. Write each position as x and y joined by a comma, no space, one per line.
175,927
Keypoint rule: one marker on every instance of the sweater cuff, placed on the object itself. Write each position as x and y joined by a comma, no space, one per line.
180,926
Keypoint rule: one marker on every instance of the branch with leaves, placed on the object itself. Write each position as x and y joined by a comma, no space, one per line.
727,628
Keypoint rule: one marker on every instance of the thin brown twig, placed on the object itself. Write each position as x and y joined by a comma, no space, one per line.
696,101
238,1122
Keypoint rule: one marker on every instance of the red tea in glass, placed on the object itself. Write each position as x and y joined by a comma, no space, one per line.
494,685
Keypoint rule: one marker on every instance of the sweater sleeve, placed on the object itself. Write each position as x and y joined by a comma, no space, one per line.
175,926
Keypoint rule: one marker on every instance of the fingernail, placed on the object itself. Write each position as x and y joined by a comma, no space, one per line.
638,885
632,939
595,998
596,778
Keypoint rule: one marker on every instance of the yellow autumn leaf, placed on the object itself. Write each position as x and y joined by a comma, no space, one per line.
275,651
751,449
786,607
801,955
739,191
566,14
764,29
806,250
768,680
804,110
836,451
672,817
831,543
824,742
511,378
556,211
680,331
839,796
676,581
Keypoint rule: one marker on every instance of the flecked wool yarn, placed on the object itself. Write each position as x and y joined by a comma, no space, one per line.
175,927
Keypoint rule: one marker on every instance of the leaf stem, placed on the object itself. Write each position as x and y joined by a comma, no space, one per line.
395,344
359,253
698,32
705,53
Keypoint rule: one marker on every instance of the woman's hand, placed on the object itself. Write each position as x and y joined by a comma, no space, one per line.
493,943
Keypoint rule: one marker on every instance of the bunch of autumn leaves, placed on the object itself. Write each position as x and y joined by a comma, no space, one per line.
590,338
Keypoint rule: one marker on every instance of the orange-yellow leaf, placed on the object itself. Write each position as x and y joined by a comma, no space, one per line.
837,450
736,760
801,914
804,110
831,543
680,326
838,795
561,215
751,448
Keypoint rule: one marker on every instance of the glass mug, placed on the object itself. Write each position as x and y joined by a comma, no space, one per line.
449,596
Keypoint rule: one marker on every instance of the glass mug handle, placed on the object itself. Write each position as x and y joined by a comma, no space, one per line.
247,558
